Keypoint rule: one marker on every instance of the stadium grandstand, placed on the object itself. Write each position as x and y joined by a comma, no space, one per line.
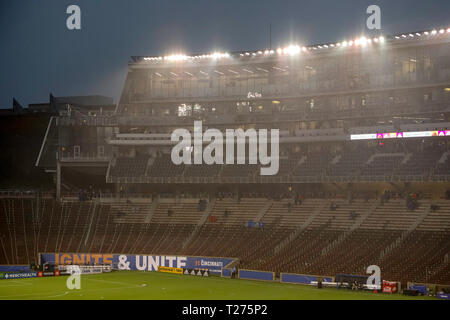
364,169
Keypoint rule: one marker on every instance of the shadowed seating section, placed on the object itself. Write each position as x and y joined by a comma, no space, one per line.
359,161
130,166
383,165
309,238
164,167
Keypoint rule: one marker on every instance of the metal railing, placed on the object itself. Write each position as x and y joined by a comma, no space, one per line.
283,179
83,157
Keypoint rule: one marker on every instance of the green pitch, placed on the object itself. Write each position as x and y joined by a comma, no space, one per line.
160,286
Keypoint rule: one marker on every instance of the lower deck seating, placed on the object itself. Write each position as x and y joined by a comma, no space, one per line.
308,238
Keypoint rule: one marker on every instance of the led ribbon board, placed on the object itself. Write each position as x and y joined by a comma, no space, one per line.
398,135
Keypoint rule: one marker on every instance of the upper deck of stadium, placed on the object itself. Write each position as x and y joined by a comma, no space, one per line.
357,65
398,40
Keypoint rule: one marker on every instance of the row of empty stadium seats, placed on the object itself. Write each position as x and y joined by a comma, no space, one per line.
313,237
355,163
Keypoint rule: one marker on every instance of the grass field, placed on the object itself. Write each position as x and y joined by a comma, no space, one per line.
161,286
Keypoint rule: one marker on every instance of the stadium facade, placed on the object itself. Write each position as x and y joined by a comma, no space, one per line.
337,106
363,175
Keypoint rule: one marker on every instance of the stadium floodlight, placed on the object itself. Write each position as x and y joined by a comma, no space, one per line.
218,55
176,57
363,41
280,69
292,50
295,49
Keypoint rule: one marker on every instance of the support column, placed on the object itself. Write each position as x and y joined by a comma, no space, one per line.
58,180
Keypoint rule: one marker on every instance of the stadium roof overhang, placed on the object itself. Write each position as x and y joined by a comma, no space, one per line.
224,58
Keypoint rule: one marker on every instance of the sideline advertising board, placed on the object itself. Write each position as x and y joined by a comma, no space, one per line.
256,275
302,278
170,270
138,262
21,275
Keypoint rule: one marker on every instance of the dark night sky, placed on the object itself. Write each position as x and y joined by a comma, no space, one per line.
38,55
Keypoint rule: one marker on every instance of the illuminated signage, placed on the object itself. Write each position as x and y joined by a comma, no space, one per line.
252,95
397,135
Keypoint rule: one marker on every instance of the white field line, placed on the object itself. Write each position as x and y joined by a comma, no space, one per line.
114,282
42,297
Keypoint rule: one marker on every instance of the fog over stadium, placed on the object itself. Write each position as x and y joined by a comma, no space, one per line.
46,57
206,150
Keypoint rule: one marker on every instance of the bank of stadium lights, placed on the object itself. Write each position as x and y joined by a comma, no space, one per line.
433,32
182,57
295,49
257,53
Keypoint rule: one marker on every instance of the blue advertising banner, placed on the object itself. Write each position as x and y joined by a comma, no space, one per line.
213,265
226,273
137,262
256,275
14,268
21,275
301,278
421,288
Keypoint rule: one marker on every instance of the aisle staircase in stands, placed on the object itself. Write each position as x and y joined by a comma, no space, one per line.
201,222
302,227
